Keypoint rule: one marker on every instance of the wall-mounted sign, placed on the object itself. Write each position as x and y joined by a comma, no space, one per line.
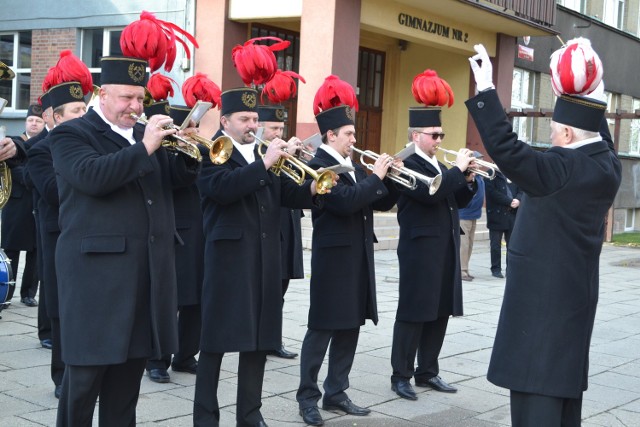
432,27
525,53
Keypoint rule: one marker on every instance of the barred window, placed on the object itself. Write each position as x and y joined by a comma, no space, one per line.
15,52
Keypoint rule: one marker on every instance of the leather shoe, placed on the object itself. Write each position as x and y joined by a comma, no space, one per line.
346,406
497,274
57,391
159,375
283,353
311,416
404,390
467,278
190,369
438,384
47,343
30,302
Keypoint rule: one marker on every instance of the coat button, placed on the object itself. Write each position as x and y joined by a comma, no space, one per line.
264,235
149,202
152,238
263,209
365,217
379,192
262,182
480,104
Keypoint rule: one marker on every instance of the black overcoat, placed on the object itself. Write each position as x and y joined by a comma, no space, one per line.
343,284
429,245
242,291
544,330
189,254
500,215
291,243
18,228
115,259
43,178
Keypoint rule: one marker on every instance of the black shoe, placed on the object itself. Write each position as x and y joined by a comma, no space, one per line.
46,343
438,384
190,369
57,391
497,274
261,423
283,353
404,390
159,375
28,301
311,416
346,406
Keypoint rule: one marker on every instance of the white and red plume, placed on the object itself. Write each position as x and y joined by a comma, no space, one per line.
154,40
333,93
430,90
256,63
200,88
576,68
281,87
160,86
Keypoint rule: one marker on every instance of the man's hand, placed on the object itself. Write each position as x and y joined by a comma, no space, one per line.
276,149
382,165
463,159
157,129
7,149
515,203
482,68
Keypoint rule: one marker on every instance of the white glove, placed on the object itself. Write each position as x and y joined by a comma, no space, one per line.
483,73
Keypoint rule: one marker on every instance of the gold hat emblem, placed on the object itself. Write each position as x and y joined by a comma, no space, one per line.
136,72
167,109
280,114
76,91
349,112
249,99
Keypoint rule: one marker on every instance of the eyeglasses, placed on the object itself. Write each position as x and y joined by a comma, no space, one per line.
434,135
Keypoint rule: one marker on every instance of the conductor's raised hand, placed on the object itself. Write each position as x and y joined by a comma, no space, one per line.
158,128
482,68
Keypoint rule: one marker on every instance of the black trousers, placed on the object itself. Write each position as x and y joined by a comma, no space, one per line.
534,410
117,385
495,245
189,328
57,365
341,354
44,322
423,338
29,284
206,411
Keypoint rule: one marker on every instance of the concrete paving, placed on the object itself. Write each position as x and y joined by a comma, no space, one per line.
613,398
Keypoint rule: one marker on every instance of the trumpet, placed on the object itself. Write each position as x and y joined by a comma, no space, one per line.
297,170
219,150
490,173
5,177
403,176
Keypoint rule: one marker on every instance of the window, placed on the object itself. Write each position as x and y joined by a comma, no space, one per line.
614,13
96,43
630,220
15,51
577,5
634,139
522,90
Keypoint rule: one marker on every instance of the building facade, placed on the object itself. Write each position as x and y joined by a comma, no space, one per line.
376,45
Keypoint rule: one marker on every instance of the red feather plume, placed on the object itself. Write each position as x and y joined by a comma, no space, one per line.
430,90
154,40
160,86
334,92
281,87
72,69
200,88
53,77
256,62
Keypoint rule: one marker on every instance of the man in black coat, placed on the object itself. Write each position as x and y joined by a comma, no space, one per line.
18,231
272,121
429,255
343,287
541,349
43,177
115,259
502,201
242,290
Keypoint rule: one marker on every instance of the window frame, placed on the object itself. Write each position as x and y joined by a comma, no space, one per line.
12,104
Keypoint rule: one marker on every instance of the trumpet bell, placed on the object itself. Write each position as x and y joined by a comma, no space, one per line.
6,73
324,181
220,150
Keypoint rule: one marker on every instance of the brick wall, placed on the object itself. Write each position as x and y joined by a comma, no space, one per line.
45,51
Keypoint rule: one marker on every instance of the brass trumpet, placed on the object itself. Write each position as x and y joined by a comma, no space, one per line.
396,174
297,169
5,173
490,173
219,150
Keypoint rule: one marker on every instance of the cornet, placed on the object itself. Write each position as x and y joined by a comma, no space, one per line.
219,150
396,174
490,173
297,169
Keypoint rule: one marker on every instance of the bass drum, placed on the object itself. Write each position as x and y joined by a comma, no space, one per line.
6,279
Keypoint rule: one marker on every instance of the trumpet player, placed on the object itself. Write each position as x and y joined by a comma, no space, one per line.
429,255
242,290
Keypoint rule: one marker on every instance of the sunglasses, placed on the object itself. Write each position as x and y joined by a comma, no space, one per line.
434,135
